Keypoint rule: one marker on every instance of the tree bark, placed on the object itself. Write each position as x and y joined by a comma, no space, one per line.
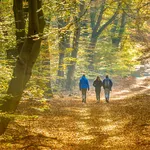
20,28
71,67
63,44
20,23
27,57
91,54
97,29
46,68
118,30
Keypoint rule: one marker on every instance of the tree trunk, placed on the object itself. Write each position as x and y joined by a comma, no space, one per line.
90,51
63,44
20,28
71,67
46,68
27,57
118,30
97,29
20,23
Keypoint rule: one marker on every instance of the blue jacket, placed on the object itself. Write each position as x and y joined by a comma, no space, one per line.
84,83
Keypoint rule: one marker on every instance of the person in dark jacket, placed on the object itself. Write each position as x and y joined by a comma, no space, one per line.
107,85
97,84
84,86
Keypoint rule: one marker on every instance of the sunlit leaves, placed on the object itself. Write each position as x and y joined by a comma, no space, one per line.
5,76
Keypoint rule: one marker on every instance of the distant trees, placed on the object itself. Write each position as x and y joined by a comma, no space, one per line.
98,11
96,36
113,26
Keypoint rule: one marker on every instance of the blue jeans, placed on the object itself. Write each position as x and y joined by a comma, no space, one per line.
107,94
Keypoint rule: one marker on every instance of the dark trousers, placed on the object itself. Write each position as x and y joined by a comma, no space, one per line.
98,91
84,95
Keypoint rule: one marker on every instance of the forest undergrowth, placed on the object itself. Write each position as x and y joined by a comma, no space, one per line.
65,123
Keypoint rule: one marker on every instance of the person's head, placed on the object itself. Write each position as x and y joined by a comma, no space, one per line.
106,76
83,75
98,78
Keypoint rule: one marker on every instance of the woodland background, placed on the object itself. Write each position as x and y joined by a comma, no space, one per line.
46,46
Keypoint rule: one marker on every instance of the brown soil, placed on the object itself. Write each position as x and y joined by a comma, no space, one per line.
65,123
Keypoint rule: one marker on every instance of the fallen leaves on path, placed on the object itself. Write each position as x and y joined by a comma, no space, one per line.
68,124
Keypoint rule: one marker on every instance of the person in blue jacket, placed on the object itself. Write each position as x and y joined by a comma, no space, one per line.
107,85
84,86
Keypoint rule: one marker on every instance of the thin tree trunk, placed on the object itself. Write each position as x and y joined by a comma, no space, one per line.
25,62
118,30
62,48
63,44
46,67
90,51
71,67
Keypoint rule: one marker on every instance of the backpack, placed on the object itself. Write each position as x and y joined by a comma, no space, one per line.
107,83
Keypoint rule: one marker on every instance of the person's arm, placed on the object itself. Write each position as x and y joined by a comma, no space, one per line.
111,83
80,85
94,84
103,83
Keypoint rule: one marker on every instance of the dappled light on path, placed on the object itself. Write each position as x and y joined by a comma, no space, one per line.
141,86
68,124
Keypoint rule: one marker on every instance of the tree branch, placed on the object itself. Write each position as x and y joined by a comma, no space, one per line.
108,22
102,9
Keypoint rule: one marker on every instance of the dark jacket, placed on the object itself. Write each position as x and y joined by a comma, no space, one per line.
97,84
110,83
84,83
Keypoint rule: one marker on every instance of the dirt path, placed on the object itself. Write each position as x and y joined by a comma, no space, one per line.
67,124
118,125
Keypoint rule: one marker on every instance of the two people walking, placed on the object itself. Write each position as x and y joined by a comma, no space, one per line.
98,83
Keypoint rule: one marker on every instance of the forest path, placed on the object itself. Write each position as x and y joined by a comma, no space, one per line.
65,123
119,125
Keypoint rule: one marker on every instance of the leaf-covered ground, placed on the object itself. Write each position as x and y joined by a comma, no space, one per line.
65,123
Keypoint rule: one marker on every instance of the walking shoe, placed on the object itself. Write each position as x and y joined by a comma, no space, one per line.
107,100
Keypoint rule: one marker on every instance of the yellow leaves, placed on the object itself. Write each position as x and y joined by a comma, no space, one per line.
70,59
120,124
33,92
17,116
5,76
41,109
